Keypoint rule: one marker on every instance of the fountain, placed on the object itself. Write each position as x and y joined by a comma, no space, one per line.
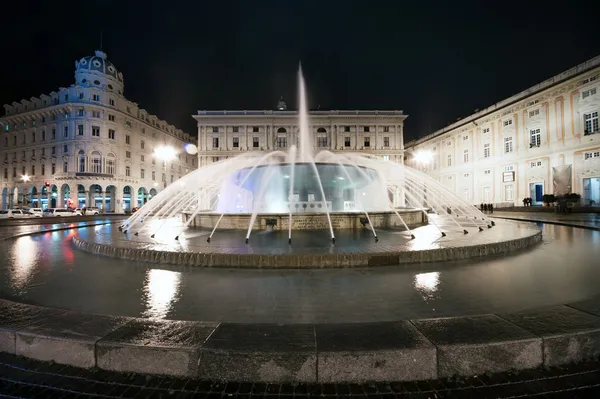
297,189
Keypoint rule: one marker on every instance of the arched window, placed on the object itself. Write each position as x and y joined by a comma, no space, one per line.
81,162
96,162
321,130
110,164
281,130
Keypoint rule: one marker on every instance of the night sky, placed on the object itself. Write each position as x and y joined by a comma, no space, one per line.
436,62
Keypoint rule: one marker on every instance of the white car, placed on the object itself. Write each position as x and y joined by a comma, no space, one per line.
14,214
36,212
60,212
89,211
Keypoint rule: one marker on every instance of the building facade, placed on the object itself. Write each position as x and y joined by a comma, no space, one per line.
87,145
223,134
544,140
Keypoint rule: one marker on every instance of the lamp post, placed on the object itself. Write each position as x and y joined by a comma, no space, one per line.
165,154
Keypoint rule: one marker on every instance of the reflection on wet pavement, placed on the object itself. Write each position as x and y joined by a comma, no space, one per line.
44,269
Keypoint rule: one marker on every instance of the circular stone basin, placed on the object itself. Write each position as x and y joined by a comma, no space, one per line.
157,243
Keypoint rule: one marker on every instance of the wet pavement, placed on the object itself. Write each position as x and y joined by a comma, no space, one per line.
24,378
588,220
46,270
275,242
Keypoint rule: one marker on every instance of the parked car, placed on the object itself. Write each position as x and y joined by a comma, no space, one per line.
36,212
89,211
58,212
14,214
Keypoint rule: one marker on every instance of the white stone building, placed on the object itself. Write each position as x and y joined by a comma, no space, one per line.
223,134
87,145
544,140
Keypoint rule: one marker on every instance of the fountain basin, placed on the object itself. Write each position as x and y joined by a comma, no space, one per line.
309,220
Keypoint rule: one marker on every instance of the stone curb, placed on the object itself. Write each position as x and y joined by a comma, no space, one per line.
328,353
33,233
309,261
581,226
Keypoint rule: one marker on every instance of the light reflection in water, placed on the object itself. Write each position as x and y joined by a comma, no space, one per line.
161,291
427,284
25,253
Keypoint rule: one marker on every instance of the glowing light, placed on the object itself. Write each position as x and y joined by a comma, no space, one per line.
25,178
25,255
423,156
191,149
155,184
427,284
165,153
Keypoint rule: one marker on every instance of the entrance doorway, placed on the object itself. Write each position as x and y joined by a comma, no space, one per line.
536,193
591,191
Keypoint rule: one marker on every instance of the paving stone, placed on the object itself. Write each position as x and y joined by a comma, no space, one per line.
154,347
569,334
260,353
374,352
16,316
66,338
479,344
591,305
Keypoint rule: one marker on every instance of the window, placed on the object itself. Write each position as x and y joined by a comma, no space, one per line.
65,148
509,168
111,118
142,173
449,143
53,150
43,169
255,142
346,141
96,97
128,108
43,151
32,170
128,124
53,168
43,135
111,134
33,137
81,96
255,129
65,167
14,140
588,93
110,164
6,141
67,115
449,160
467,194
23,171
535,138
591,122
96,114
96,162
486,150
80,130
43,120
465,156
386,141
465,137
236,142
590,155
127,154
236,129
321,141
80,112
142,144
386,157
533,113
5,173
508,192
127,139
386,129
466,174
215,142
66,131
367,142
486,130
346,129
96,131
487,172
508,144
153,175
53,133
111,102
81,162
507,122
366,129
536,164
127,171
142,158
281,142
14,172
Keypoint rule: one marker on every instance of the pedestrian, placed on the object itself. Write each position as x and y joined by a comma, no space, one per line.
491,208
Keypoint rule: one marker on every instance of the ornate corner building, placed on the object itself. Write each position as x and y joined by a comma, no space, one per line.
544,140
223,134
87,145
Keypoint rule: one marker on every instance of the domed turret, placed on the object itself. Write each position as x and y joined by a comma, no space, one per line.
97,71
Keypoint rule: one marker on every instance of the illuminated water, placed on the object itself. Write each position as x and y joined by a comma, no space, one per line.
47,270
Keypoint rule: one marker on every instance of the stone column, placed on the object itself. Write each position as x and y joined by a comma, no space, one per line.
103,194
225,138
376,136
356,138
60,201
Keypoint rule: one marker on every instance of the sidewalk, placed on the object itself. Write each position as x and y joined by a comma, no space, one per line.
583,220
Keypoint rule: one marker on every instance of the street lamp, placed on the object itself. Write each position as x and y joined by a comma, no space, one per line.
165,154
25,178
423,157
